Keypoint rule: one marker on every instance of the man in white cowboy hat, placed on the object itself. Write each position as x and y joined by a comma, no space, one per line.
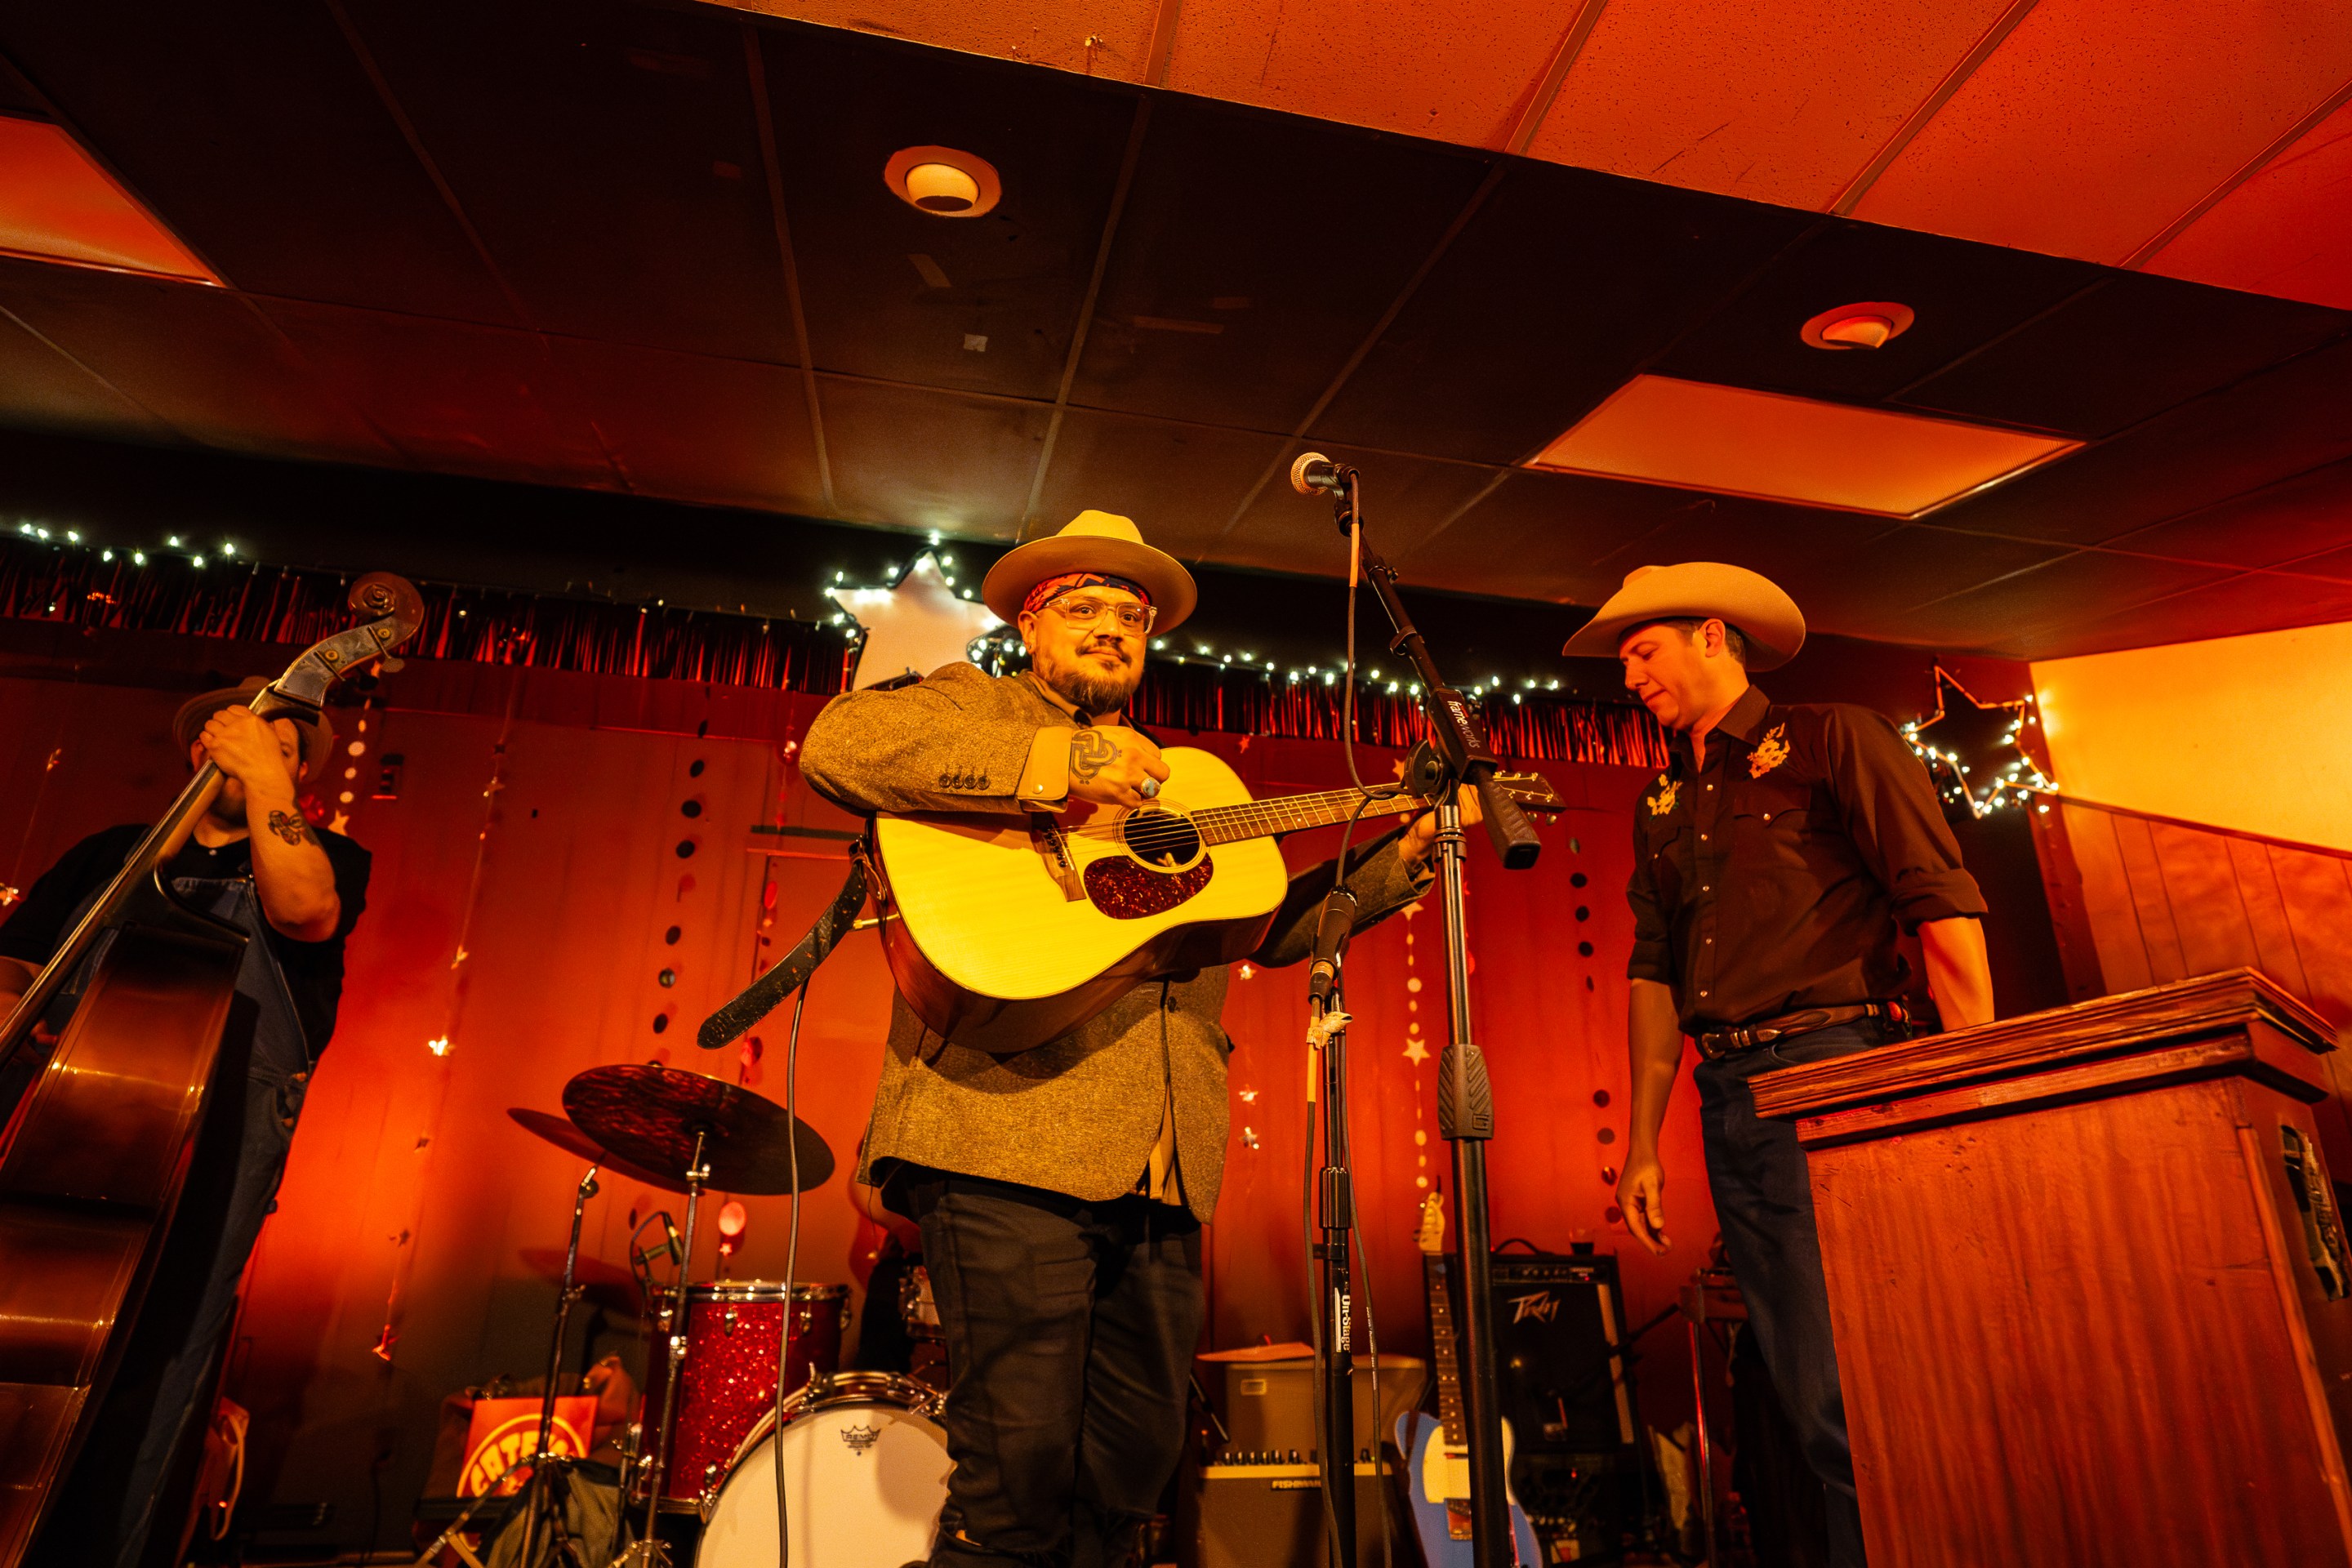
254,861
1773,861
1061,1190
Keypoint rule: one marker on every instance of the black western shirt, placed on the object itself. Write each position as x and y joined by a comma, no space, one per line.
1771,878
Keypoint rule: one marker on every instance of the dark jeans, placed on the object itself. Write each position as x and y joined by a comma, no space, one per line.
1764,1202
1070,1332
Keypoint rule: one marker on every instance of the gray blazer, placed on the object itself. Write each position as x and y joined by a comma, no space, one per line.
1080,1113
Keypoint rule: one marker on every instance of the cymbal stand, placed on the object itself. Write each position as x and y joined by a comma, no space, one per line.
539,1488
648,1552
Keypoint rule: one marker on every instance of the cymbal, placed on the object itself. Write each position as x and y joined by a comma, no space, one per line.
607,1284
570,1140
649,1115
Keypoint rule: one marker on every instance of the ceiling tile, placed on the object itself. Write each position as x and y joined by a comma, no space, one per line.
1547,532
2305,515
912,458
2334,565
203,360
253,132
1015,275
1962,295
457,397
2131,347
2292,417
41,389
1733,441
1107,38
1230,299
615,179
1865,592
1179,482
2255,602
1777,100
1405,501
2287,231
2097,125
2018,616
716,431
1557,292
1454,70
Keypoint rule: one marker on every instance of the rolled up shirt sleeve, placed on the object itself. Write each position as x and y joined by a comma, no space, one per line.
1653,956
1890,811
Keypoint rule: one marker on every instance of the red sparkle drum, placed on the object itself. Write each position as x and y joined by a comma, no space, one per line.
727,1385
865,1474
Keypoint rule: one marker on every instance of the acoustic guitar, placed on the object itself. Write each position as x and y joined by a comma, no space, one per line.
1003,931
1438,1477
94,1155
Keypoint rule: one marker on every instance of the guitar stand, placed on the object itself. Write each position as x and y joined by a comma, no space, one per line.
1465,1112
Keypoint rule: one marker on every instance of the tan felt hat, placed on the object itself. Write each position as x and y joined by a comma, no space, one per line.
1767,617
1093,541
314,732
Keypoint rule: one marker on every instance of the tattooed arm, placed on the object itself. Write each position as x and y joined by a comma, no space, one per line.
290,871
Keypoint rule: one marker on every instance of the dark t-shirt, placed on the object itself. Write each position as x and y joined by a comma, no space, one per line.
313,969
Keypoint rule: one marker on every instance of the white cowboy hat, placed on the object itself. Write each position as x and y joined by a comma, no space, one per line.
1767,619
1093,541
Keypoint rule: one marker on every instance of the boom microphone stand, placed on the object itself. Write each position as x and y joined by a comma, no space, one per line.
1466,1109
1336,1200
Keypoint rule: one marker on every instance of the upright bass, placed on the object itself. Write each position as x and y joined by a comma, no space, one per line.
94,1156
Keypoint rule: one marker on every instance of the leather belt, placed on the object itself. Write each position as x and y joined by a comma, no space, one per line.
1717,1044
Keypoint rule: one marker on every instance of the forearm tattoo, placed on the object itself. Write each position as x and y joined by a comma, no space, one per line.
290,826
1091,751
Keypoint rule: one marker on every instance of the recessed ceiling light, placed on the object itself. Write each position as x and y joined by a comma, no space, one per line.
1869,325
942,181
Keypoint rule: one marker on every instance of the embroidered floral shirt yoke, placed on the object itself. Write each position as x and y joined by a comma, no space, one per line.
1772,877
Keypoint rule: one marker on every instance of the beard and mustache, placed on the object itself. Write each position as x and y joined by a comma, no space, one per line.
1086,686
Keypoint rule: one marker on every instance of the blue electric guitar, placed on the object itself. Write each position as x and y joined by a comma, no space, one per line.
1437,1484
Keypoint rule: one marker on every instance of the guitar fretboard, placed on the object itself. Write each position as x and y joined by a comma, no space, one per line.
1292,813
1441,1344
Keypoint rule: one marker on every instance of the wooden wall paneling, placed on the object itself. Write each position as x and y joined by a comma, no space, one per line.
2201,888
2108,900
2266,914
2144,872
2071,925
2316,890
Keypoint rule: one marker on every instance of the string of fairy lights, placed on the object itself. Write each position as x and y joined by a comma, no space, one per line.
2011,778
1000,649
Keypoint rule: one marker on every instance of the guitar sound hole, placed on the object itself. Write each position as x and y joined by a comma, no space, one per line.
1161,839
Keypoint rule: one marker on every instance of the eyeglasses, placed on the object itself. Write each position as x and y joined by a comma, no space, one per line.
1086,614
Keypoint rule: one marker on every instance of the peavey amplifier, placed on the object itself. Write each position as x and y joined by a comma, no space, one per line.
1556,1323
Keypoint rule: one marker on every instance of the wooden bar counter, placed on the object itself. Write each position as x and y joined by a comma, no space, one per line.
2089,1284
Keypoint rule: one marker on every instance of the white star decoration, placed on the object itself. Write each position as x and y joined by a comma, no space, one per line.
915,626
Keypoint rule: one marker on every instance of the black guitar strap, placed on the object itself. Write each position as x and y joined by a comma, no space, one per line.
792,971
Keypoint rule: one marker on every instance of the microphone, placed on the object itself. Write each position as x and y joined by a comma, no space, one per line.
1331,930
1314,473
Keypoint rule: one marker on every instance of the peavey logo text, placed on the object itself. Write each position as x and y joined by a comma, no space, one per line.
1543,1307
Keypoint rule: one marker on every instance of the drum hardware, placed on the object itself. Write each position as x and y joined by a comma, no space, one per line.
540,1486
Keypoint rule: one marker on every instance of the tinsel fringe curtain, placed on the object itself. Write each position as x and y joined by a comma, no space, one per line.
243,602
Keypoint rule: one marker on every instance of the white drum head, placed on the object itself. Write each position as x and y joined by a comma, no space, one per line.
864,1480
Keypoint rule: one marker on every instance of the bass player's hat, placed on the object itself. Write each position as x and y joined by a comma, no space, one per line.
313,731
1093,541
1767,619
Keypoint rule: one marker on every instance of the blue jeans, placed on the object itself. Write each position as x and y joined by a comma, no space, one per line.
1764,1202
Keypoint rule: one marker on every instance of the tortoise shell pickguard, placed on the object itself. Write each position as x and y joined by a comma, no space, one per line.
1128,889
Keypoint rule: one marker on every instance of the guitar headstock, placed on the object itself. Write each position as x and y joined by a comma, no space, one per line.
1531,792
1430,1235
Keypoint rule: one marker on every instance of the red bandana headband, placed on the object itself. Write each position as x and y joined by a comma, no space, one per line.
1052,588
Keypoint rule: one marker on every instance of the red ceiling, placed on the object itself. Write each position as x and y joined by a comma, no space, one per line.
2179,137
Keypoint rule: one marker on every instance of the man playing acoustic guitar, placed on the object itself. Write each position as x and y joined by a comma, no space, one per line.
1061,1189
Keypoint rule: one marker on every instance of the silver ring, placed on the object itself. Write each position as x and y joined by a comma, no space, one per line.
1148,789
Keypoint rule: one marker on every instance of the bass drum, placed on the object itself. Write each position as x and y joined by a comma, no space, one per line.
865,1474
